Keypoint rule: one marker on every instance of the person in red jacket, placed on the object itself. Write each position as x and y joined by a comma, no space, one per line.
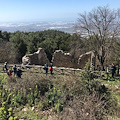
9,73
51,69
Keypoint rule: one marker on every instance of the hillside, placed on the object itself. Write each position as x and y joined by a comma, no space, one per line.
65,95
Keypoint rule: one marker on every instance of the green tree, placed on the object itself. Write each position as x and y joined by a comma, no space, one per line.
49,46
18,42
49,40
5,35
7,52
53,40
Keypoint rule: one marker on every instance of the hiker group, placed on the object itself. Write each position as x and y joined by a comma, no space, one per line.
12,72
50,69
18,72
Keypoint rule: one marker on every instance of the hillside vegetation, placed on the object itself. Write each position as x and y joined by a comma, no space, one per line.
65,96
20,43
83,95
13,46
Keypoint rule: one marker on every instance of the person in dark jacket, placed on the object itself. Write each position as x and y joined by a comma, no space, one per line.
15,69
19,73
5,67
113,70
46,69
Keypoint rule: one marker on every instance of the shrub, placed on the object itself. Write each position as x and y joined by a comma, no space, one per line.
28,90
6,114
52,96
3,112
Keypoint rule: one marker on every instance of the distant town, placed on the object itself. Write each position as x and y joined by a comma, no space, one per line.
65,26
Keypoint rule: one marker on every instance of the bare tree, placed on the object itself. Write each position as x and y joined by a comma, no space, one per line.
102,25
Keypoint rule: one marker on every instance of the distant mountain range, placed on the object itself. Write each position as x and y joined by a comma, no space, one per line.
38,26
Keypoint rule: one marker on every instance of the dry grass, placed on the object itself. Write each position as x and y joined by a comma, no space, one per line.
78,100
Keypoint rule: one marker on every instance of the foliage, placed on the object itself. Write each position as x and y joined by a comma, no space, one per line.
79,95
13,46
23,43
7,52
17,40
78,46
49,40
3,112
4,36
6,113
96,27
59,106
52,96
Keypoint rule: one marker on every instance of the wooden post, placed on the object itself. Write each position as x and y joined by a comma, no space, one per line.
119,71
74,71
107,72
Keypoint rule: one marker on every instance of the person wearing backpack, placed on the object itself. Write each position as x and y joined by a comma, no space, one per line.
15,69
46,69
19,72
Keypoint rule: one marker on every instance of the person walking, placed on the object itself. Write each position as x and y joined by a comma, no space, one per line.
113,70
51,69
9,73
19,72
5,67
46,69
15,69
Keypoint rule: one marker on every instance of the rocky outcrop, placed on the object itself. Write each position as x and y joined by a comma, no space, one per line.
61,59
37,58
84,58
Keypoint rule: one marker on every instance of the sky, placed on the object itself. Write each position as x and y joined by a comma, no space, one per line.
49,10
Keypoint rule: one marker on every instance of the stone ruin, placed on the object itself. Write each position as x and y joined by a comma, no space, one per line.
59,59
37,58
84,58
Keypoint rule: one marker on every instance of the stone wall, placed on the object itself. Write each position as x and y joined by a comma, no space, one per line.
37,58
61,59
84,58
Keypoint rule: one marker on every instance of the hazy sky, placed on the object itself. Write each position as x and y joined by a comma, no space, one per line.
49,10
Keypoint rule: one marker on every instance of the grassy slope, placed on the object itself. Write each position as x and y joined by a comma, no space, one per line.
35,112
